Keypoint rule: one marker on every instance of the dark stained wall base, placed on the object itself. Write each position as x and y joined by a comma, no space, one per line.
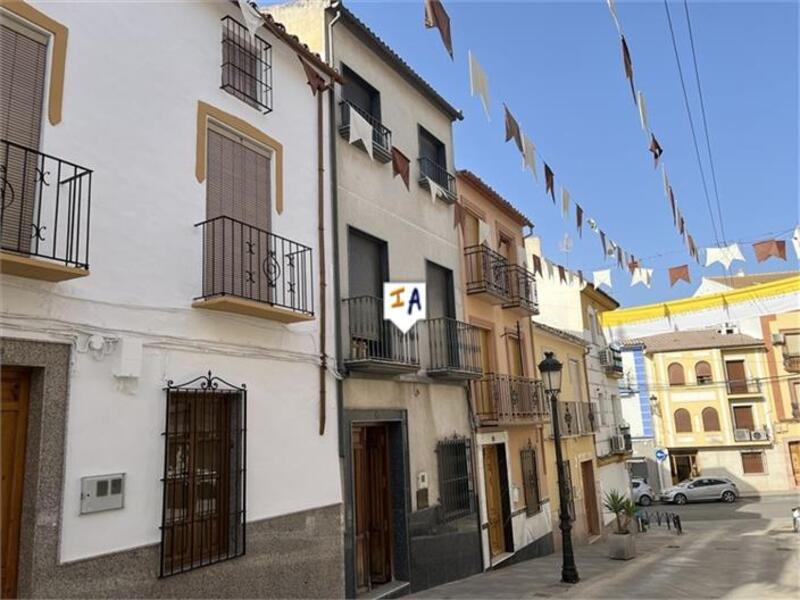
541,547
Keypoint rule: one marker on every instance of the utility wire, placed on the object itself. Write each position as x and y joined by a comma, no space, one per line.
705,121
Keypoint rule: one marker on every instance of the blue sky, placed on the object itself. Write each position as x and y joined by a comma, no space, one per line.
558,67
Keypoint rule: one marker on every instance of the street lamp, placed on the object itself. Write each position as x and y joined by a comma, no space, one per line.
550,369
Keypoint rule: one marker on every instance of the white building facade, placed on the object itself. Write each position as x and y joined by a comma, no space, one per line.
161,306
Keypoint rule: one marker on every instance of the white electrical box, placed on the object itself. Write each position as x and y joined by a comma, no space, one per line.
102,492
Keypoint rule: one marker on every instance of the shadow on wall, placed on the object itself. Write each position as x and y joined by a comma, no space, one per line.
745,488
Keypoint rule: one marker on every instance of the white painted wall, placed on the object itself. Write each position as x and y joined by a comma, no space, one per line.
134,75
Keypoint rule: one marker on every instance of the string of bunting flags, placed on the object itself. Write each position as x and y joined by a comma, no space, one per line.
437,17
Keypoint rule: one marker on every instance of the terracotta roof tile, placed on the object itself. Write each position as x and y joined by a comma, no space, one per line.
498,200
692,340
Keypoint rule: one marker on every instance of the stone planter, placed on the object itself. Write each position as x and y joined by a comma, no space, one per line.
621,546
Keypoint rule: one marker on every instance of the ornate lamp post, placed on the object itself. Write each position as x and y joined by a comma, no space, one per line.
550,369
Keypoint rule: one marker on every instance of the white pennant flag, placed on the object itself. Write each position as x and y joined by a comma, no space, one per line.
549,266
642,110
643,276
796,241
522,257
360,129
613,10
479,83
564,202
437,191
724,255
601,277
252,19
529,155
484,231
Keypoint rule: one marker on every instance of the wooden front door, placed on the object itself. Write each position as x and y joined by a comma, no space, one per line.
494,500
16,383
590,498
794,453
372,502
684,466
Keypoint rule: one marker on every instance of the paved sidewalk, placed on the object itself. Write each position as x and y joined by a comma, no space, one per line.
746,558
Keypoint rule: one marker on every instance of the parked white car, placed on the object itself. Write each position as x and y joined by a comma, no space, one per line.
701,488
643,494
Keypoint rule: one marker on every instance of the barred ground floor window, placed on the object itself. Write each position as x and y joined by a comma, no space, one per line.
456,487
530,480
752,463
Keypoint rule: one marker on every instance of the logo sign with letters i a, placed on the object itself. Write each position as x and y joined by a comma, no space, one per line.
404,304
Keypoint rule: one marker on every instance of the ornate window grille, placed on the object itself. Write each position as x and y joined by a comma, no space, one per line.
246,65
530,480
203,512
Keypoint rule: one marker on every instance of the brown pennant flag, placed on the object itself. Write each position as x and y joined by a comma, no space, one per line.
562,274
767,248
400,165
656,149
678,273
633,264
619,257
458,215
436,16
315,80
549,182
512,129
682,226
580,277
579,219
692,248
674,208
537,265
603,243
626,61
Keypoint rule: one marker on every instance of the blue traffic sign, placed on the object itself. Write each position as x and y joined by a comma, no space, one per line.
661,454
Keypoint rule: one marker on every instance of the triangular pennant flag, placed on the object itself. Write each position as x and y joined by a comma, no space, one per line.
601,277
529,155
642,110
360,130
682,226
314,79
400,165
580,278
633,264
479,83
562,274
628,64
679,273
692,248
613,10
436,16
564,202
656,149
642,275
603,243
512,129
437,191
484,231
579,219
458,215
549,182
667,187
767,248
674,207
252,18
724,255
619,257
522,256
550,269
537,264
796,241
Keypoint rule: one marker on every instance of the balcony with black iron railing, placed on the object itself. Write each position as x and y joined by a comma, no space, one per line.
381,136
791,360
453,349
486,274
251,271
743,387
577,418
45,209
374,344
523,301
509,399
440,176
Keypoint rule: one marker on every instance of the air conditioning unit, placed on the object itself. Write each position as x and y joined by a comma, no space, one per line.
741,435
778,339
759,436
606,358
618,444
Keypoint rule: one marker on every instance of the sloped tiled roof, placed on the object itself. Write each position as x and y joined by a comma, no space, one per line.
565,335
495,197
741,281
692,340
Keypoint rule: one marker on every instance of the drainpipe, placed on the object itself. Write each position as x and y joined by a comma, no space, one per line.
323,357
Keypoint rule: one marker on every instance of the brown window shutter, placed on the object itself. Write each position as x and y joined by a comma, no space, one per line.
675,374
683,421
743,417
702,371
710,419
752,462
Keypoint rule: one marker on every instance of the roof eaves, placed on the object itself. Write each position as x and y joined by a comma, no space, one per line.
383,49
499,201
561,333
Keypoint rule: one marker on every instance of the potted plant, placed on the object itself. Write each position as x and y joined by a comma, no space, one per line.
621,544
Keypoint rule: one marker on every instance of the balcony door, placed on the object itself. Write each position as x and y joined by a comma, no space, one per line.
23,62
368,269
241,259
360,94
737,377
442,327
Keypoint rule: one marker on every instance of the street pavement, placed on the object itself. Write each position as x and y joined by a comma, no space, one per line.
741,550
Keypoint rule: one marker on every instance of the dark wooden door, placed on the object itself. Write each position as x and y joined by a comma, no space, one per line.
590,498
743,418
372,502
15,384
737,378
494,502
794,454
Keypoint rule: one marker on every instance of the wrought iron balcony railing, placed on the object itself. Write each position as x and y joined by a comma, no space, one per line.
576,418
743,386
509,399
521,291
45,206
454,349
439,175
487,274
381,136
246,262
791,361
375,344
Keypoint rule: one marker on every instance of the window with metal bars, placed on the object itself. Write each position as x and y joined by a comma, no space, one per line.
456,489
246,65
203,513
530,480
